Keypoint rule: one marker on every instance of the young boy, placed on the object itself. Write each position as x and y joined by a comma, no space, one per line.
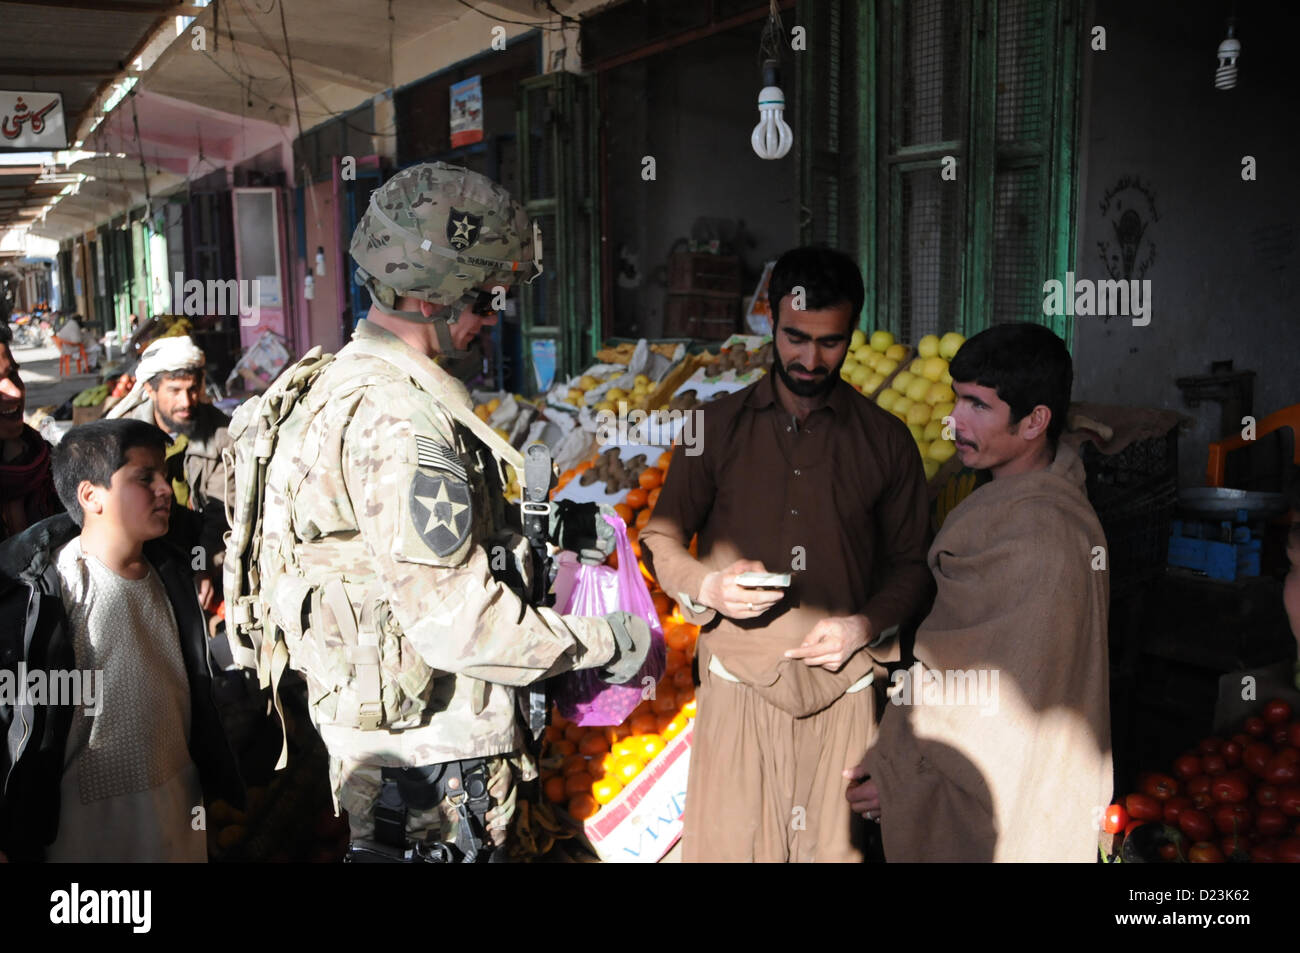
101,592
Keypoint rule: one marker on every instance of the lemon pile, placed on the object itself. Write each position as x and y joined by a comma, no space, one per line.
921,396
636,398
484,411
871,360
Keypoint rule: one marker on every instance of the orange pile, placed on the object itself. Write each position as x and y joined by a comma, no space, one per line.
586,768
639,504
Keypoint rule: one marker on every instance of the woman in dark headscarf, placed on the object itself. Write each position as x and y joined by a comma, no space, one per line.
27,492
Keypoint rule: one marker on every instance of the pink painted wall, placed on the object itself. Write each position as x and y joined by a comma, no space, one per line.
320,215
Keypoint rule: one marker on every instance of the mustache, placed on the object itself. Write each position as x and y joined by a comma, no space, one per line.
818,372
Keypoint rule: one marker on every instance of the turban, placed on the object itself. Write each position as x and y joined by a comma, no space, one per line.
163,356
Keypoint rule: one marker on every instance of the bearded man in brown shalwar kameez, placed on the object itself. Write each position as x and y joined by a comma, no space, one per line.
797,473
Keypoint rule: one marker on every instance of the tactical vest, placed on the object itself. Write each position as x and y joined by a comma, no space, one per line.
322,609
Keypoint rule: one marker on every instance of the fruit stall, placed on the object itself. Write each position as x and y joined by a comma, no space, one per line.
94,402
623,787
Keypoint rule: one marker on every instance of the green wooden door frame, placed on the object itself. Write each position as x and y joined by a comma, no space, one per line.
867,245
878,236
571,253
1055,163
980,172
833,132
1063,237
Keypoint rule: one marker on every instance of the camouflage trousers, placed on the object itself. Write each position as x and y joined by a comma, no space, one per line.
358,786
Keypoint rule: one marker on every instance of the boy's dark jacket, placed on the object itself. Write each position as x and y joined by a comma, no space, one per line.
34,628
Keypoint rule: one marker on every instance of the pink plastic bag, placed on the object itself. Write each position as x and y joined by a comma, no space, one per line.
582,697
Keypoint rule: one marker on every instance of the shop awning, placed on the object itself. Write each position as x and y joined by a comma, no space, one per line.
239,74
75,48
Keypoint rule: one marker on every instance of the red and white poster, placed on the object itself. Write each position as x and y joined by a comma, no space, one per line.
467,112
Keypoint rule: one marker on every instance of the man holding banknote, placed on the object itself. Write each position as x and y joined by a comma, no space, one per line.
798,474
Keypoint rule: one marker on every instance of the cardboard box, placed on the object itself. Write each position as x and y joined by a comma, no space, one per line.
645,820
83,415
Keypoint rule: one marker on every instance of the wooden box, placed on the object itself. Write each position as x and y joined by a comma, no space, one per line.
697,272
703,317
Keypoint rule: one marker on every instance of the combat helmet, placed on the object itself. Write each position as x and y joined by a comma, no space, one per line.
439,233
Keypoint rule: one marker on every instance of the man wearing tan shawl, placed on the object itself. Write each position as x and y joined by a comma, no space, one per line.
997,744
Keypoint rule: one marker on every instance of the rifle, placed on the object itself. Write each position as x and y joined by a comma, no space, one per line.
536,506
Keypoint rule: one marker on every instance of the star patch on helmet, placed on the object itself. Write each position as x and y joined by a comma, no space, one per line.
463,229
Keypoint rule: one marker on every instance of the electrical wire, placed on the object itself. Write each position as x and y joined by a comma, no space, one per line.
563,17
770,43
139,144
293,83
270,48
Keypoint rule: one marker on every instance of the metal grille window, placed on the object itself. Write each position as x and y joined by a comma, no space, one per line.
929,45
930,266
1018,219
556,142
984,89
1021,103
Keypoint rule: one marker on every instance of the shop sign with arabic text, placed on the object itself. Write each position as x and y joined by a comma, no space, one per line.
31,120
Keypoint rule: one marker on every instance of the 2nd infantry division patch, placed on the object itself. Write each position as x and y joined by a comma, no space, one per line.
440,502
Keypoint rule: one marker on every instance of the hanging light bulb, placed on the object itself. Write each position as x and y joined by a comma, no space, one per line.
1225,77
320,260
772,137
309,287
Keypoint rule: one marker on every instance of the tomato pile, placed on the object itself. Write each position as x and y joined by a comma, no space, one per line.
1236,799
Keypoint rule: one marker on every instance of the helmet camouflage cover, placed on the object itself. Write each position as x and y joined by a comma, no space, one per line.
440,233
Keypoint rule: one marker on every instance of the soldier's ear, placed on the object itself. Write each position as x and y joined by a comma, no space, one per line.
426,308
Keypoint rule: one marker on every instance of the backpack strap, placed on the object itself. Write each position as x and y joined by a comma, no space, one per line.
254,638
362,644
504,453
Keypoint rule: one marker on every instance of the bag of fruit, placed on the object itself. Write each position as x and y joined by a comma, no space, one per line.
582,697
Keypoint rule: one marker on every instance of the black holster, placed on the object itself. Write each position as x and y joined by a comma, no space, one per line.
463,783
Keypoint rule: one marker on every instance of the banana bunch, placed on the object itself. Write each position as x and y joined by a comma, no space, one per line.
91,397
536,829
958,487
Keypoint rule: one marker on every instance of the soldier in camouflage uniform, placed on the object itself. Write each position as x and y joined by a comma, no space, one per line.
388,557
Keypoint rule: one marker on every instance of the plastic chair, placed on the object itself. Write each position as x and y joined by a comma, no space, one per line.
1218,451
67,351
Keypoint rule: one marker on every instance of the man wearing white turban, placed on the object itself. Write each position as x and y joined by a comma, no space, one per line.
168,393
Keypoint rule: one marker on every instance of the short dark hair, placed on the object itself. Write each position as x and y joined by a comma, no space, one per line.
1027,364
828,277
95,451
194,371
6,333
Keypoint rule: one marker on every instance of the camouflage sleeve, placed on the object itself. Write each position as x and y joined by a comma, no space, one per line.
413,503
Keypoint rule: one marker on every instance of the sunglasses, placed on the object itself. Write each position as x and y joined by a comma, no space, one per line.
480,303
